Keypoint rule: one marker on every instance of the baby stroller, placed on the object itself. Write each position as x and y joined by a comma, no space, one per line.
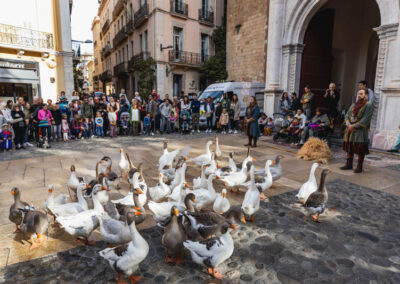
185,127
124,124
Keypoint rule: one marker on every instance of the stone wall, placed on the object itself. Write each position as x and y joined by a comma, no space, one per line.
246,39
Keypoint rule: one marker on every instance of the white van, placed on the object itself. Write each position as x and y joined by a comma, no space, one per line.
244,90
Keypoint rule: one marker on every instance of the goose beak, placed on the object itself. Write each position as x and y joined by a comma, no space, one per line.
244,220
186,184
273,163
204,166
140,191
213,142
12,192
136,208
103,187
87,186
253,160
223,195
184,158
319,164
217,177
120,176
330,170
160,175
176,212
50,190
121,150
138,213
218,166
164,180
283,156
194,200
105,175
233,226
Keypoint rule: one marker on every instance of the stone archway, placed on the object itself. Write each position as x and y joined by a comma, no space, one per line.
288,22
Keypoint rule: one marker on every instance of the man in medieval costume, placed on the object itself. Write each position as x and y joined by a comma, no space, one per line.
355,140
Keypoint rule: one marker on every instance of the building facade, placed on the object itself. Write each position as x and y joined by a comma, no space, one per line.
315,42
97,60
246,40
176,34
35,49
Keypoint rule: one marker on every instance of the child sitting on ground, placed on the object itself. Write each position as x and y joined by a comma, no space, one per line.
269,126
64,127
6,137
294,130
77,127
224,120
284,131
262,121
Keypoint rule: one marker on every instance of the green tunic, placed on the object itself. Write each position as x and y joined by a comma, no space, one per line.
361,123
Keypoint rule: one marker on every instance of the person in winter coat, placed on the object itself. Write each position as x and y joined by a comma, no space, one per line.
224,120
19,126
134,111
252,116
234,115
45,118
210,108
56,113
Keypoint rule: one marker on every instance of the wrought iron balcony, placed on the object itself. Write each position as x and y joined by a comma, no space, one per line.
105,26
206,17
120,37
118,8
121,69
106,50
141,15
133,62
106,76
129,27
23,37
186,58
179,8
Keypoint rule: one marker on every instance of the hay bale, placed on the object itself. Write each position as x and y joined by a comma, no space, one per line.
316,150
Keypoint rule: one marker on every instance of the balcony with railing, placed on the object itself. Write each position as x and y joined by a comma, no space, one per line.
120,37
106,51
141,15
179,8
25,38
134,61
106,76
129,26
118,8
121,69
206,17
105,27
186,58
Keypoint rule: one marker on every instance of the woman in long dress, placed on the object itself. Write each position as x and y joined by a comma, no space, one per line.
252,116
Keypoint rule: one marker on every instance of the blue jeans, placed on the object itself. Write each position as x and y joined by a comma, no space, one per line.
164,124
46,130
147,129
307,113
209,123
172,127
100,131
397,143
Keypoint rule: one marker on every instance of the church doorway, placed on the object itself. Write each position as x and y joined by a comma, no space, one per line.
340,46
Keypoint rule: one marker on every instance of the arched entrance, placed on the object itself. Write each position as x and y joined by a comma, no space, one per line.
340,46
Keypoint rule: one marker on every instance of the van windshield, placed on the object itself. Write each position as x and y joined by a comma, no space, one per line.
214,94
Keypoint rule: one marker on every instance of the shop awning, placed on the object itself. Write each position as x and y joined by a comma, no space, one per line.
24,76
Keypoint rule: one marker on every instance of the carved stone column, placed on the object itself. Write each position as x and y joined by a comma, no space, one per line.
291,66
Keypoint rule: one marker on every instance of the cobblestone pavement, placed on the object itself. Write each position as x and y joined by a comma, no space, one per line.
358,241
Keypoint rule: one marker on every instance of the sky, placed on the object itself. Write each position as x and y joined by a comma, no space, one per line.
83,13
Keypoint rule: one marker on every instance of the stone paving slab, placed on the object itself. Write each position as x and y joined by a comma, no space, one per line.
358,241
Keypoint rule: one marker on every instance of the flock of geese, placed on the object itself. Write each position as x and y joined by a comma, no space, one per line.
197,219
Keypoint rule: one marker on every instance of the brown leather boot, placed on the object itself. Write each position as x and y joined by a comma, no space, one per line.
349,164
254,142
249,144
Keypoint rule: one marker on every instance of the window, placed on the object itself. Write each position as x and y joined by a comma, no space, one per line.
115,29
178,6
204,48
116,58
130,11
178,42
123,54
127,53
118,24
146,43
141,42
204,8
119,54
132,51
122,21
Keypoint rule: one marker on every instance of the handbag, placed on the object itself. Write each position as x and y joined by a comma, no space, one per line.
208,114
44,122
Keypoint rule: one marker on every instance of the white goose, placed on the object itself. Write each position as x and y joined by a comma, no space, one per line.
276,171
205,197
251,201
237,178
73,208
231,168
54,201
73,180
309,186
83,224
266,182
212,252
167,158
125,259
124,165
204,158
161,211
218,153
213,166
180,176
128,199
159,191
200,182
178,193
221,203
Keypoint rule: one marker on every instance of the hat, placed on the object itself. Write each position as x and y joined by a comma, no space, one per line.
4,124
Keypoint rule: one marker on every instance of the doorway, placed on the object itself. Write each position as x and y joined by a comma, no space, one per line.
177,82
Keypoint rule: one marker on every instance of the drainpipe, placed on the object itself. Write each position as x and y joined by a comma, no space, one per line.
154,41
